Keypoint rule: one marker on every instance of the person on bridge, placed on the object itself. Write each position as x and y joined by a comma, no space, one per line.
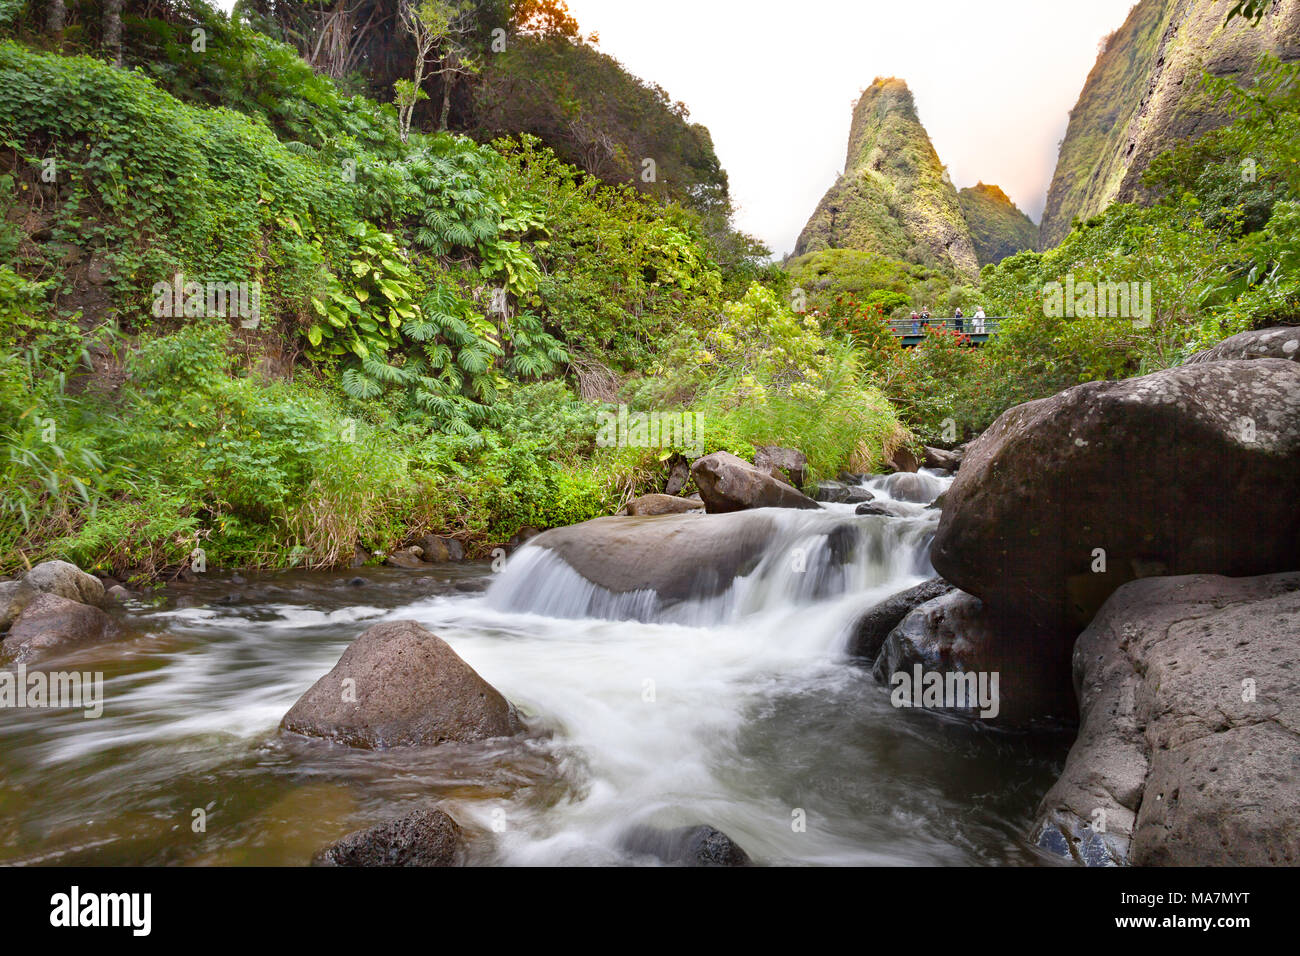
916,323
979,320
958,318
925,317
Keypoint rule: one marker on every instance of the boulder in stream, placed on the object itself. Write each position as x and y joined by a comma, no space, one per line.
1189,470
53,623
1024,668
1188,751
66,580
784,464
423,838
400,685
728,483
439,549
869,631
686,846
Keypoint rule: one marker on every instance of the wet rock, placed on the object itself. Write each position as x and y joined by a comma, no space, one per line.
870,508
870,630
686,846
357,582
405,558
857,495
784,464
400,685
956,634
67,581
916,488
1190,470
470,587
422,838
360,557
660,505
676,556
851,477
1187,752
53,623
941,458
833,491
439,550
1279,343
728,483
118,594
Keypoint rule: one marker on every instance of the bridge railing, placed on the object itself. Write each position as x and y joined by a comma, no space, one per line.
967,325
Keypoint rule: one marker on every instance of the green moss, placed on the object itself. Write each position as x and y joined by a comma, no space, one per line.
997,226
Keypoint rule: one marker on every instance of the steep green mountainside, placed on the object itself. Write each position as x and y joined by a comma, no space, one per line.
997,226
600,118
894,198
1144,95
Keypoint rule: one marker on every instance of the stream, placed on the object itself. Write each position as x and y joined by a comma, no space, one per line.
737,710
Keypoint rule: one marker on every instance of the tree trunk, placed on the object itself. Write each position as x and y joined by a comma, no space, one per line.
446,101
57,15
113,30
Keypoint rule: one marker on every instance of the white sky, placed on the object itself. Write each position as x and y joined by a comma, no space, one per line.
775,82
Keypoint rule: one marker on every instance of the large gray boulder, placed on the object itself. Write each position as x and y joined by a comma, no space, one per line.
1280,343
67,581
422,838
51,623
957,634
728,483
1190,470
400,685
14,596
676,556
942,458
1188,751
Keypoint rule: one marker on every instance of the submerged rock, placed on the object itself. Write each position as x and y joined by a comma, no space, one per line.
916,488
833,491
1187,753
53,623
1190,470
728,483
405,558
400,685
422,838
686,846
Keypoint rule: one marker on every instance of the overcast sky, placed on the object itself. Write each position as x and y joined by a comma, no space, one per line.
775,83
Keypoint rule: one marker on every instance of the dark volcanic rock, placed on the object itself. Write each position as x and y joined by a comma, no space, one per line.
661,505
422,838
399,685
686,846
871,629
1190,470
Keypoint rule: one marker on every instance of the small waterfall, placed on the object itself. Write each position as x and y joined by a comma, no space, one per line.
802,558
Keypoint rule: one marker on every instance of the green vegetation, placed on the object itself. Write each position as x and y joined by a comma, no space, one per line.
997,227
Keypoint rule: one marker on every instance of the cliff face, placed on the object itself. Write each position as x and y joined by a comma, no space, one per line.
893,199
1144,95
997,225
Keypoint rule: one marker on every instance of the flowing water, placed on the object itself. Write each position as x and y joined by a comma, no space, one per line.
738,710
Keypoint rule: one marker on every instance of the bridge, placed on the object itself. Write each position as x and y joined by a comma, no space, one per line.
902,328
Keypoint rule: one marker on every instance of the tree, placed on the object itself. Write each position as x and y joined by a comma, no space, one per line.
113,29
56,17
428,22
